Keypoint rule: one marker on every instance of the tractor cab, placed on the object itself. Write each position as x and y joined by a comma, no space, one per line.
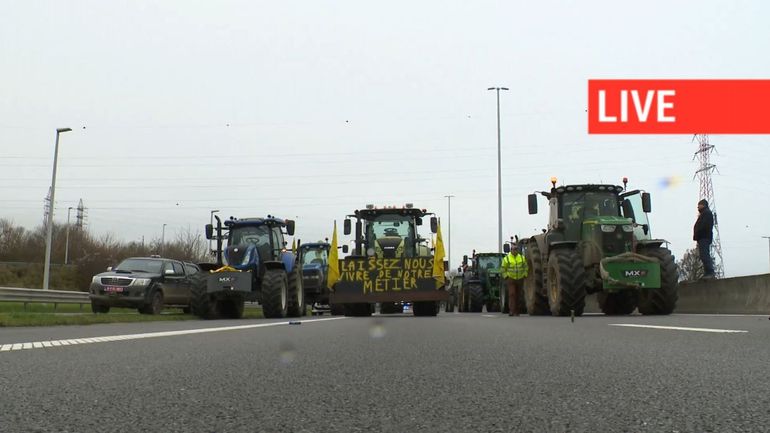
252,242
390,232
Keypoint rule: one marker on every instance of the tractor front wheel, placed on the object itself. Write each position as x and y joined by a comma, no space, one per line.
201,303
476,294
275,294
566,283
296,307
618,303
535,297
662,300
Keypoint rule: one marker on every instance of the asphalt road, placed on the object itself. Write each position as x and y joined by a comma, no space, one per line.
457,372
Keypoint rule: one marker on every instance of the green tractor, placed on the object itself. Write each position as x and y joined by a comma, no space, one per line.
598,241
482,283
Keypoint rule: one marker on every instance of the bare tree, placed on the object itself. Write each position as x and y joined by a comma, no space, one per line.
690,267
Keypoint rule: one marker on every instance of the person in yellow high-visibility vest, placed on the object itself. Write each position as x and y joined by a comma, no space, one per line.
514,270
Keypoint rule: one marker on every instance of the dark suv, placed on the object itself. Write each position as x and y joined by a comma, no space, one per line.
145,283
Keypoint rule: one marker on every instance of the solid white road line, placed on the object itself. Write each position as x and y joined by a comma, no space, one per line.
488,315
681,328
75,341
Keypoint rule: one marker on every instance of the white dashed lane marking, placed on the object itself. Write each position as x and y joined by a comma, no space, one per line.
681,328
75,341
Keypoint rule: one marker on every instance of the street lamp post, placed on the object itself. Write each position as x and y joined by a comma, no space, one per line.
449,229
163,239
499,177
213,211
768,242
67,242
49,233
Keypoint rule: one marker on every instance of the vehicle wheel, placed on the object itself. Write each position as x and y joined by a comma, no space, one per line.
186,310
337,309
156,303
201,303
662,300
618,303
99,308
535,297
476,297
274,294
391,308
425,308
566,286
358,310
296,294
449,306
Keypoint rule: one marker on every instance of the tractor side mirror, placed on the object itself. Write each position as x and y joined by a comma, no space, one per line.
209,231
433,224
465,260
506,248
628,209
418,221
646,202
532,203
345,249
646,228
346,227
290,227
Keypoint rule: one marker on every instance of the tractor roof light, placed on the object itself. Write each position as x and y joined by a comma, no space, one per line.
553,181
370,206
625,182
409,205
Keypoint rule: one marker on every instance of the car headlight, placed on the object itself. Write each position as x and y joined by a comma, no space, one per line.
141,282
628,228
96,280
608,228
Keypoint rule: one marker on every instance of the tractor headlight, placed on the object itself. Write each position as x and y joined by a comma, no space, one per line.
628,228
606,228
370,252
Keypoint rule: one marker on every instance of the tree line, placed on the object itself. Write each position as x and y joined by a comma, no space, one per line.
22,254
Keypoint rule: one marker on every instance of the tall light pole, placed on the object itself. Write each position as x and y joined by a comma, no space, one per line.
499,177
449,229
49,234
213,211
768,242
67,242
163,239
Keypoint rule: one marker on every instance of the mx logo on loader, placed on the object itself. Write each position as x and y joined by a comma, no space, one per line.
635,273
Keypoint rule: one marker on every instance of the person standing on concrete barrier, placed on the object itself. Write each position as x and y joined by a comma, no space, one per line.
514,270
703,235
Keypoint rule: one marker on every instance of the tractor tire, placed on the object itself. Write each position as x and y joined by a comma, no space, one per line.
449,306
566,283
230,308
275,294
661,301
476,297
358,310
619,303
391,308
201,303
535,296
99,308
296,306
425,308
337,309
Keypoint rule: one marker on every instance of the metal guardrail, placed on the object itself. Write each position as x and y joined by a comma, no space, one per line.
38,296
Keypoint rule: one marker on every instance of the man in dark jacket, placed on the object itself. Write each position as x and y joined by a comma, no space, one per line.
702,234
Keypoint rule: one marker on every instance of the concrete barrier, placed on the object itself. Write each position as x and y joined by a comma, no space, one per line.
738,295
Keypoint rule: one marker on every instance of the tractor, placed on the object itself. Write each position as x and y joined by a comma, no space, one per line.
598,241
391,264
254,266
482,283
314,258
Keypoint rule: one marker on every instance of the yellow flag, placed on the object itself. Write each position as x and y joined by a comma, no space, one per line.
334,262
438,259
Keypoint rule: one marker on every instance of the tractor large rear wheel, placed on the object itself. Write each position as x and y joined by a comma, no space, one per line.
476,297
425,308
618,303
275,294
535,296
662,300
566,283
296,307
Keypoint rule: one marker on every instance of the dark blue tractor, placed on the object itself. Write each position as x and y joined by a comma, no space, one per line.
254,266
314,258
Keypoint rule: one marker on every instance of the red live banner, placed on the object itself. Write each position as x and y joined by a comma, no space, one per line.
679,106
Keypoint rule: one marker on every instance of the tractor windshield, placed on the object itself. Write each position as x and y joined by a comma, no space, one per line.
577,206
390,226
487,263
257,235
315,256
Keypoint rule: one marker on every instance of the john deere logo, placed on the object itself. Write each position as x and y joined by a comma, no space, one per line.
635,273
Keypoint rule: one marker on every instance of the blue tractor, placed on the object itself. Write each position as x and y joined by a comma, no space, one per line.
314,257
254,266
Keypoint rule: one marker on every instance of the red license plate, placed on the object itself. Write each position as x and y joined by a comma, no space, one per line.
113,289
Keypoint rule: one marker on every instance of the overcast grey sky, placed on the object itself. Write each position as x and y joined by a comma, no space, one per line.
312,109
